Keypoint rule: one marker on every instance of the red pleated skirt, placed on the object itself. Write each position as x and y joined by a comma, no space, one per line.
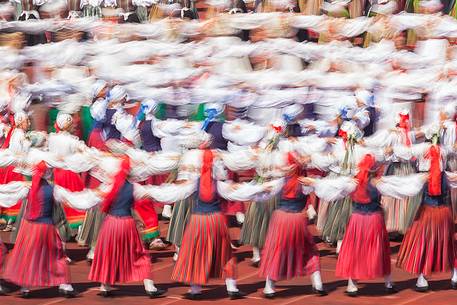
289,249
205,252
37,259
428,246
365,252
119,254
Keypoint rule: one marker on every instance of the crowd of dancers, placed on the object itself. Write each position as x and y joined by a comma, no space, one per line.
206,119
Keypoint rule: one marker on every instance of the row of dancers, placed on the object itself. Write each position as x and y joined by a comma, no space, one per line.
362,177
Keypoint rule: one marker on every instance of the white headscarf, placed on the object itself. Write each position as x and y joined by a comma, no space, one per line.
20,117
63,120
98,87
118,93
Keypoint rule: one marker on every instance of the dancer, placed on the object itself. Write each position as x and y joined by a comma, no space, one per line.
38,257
289,249
206,251
366,234
429,245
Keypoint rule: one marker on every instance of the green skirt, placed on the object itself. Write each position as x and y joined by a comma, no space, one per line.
255,226
179,219
337,219
91,226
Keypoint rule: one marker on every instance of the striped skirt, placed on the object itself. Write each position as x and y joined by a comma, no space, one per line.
289,250
255,227
428,246
7,175
205,252
119,255
365,252
179,219
37,259
90,228
400,213
93,220
337,219
322,214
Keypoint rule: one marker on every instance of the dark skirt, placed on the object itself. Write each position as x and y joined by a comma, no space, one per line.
255,227
337,219
179,219
90,228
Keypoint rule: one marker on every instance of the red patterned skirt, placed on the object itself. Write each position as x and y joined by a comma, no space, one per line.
7,175
428,246
38,259
119,253
365,252
145,209
289,249
72,182
205,252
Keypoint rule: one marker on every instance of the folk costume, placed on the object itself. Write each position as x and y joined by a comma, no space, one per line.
429,245
38,257
366,232
206,251
289,249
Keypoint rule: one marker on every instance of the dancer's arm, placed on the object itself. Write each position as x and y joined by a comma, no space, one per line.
329,189
12,192
249,191
166,192
82,200
401,186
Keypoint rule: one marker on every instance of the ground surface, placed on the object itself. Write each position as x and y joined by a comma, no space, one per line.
296,291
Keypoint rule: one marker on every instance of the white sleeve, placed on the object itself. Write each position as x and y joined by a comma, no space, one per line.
7,158
331,189
166,192
381,138
419,150
402,152
149,164
98,109
12,192
363,118
125,124
239,160
401,186
242,132
322,161
310,144
248,191
35,156
452,179
162,129
80,162
83,200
